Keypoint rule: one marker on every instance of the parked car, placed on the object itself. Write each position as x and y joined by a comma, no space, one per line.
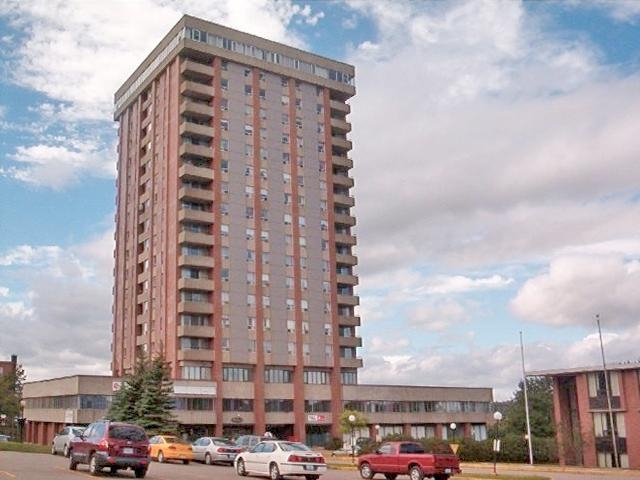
275,458
5,438
407,458
212,450
169,447
111,444
245,442
60,443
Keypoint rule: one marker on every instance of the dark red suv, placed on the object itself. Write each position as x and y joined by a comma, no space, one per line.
111,444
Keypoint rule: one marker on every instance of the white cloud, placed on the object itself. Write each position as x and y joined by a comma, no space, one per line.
4,292
445,284
388,345
65,306
60,166
576,288
498,366
500,143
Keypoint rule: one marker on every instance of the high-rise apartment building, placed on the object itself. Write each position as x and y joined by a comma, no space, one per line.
233,230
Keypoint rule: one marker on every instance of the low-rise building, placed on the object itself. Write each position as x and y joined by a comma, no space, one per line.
582,415
419,411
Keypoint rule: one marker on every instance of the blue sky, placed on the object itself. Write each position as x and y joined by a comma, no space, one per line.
496,162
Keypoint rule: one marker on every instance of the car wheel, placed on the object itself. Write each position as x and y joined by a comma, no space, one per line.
53,449
441,477
274,471
415,473
240,470
93,465
160,457
73,465
140,472
312,477
185,462
207,459
365,471
65,450
391,476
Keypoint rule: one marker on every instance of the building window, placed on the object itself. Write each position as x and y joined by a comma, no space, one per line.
278,405
196,372
316,377
313,406
278,375
237,404
181,403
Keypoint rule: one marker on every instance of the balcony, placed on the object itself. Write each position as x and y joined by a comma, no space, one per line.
197,90
205,284
345,239
196,261
195,307
347,259
195,331
196,194
344,219
347,279
198,109
349,321
196,238
197,150
354,362
351,300
345,200
191,172
343,180
196,69
196,355
141,339
340,125
342,161
350,341
339,108
341,143
195,215
196,129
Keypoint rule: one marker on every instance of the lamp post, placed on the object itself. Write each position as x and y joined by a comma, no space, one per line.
497,416
377,427
452,427
352,422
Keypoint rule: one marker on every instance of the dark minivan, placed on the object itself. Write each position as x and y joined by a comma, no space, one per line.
111,444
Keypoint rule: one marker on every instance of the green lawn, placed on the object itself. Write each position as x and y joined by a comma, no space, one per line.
23,447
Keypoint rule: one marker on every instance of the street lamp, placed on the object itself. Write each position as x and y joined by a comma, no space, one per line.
497,416
352,422
452,427
377,427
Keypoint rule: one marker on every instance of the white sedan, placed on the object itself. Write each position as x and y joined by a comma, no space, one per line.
277,458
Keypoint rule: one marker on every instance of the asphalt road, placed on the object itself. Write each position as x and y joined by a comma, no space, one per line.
30,466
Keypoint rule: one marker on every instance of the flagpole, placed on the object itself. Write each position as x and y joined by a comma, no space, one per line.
526,402
608,390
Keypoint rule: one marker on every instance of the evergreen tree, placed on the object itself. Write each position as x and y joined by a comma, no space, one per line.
155,406
124,407
10,397
540,396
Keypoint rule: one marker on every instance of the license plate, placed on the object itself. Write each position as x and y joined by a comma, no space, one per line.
447,470
309,467
127,451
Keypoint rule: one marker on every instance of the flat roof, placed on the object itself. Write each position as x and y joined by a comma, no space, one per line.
573,370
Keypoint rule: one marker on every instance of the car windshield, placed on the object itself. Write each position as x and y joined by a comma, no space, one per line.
292,447
77,431
125,432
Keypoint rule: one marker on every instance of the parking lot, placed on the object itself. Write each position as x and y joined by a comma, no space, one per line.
29,466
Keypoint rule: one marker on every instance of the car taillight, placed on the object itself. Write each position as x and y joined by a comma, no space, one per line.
305,459
103,445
